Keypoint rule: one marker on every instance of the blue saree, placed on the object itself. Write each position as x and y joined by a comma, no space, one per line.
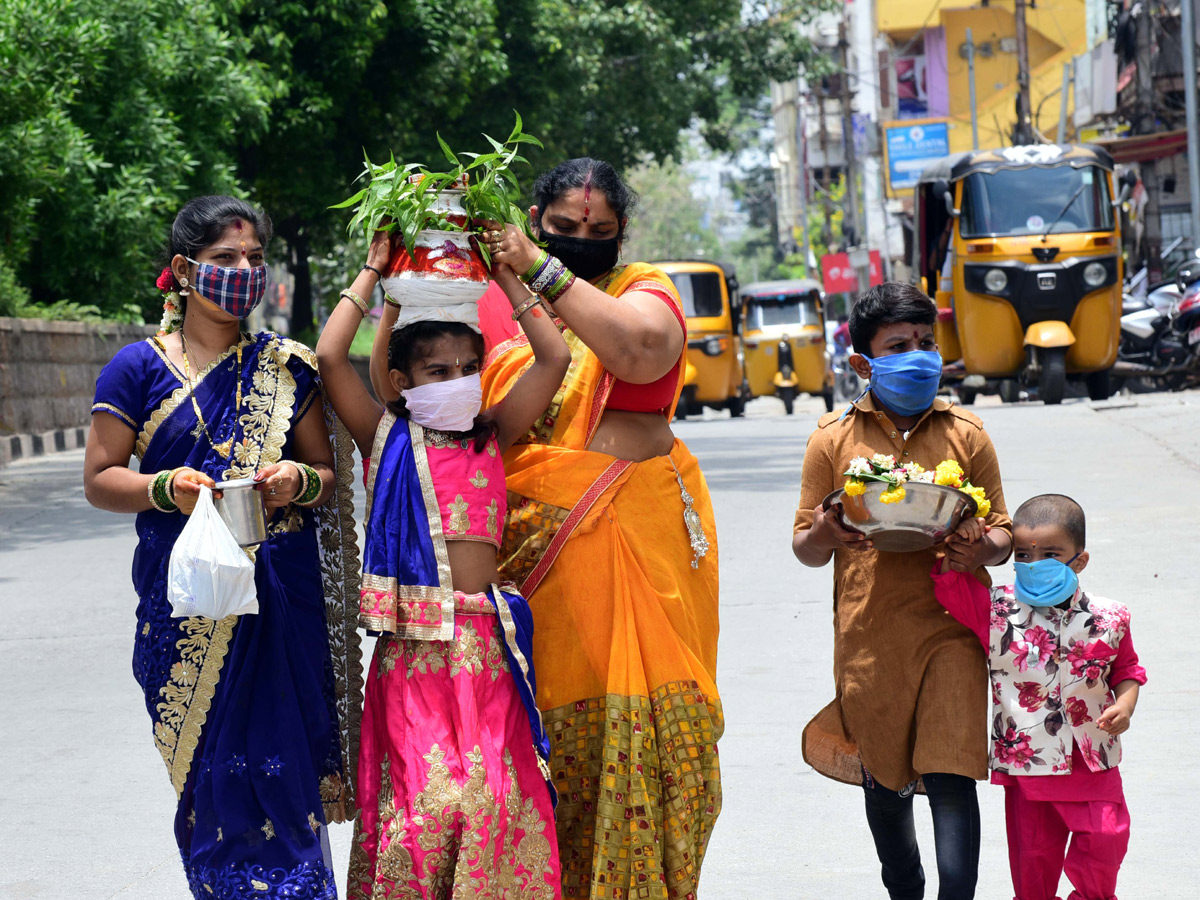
256,716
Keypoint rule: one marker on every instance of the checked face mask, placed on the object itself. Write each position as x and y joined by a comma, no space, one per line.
236,290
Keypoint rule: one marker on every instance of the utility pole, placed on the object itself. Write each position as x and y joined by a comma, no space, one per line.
971,87
1187,32
850,158
1144,124
1023,131
823,136
801,164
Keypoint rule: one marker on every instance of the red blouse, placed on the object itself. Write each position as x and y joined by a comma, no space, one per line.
657,395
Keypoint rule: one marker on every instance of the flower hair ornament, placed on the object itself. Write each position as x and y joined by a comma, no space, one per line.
172,317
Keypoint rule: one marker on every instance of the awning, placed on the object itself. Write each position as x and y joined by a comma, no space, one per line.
1146,147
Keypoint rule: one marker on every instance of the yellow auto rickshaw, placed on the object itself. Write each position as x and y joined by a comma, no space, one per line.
713,375
784,340
1020,248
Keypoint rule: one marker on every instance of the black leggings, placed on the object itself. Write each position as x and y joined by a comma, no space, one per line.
955,811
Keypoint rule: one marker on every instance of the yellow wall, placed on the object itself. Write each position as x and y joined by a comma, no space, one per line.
1056,32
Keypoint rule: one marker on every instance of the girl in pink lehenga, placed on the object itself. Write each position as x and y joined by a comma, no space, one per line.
453,787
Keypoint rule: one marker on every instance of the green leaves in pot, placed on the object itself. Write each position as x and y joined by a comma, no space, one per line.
391,201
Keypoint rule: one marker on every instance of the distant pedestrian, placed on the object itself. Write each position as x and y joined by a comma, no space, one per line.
254,715
911,683
1065,680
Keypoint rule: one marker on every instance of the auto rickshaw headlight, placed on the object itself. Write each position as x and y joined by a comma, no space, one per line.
1095,274
712,347
996,280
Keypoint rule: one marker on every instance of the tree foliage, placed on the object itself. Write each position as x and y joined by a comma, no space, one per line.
113,114
670,222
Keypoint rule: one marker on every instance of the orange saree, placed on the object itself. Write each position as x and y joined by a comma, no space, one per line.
624,598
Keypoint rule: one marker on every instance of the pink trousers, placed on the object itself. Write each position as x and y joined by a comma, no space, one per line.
1038,831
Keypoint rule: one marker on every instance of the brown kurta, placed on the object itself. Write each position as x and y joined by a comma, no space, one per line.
912,683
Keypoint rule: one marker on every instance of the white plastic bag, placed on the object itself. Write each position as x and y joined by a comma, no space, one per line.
209,574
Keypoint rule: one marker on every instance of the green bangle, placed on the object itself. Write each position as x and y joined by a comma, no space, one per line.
562,284
537,264
311,485
159,491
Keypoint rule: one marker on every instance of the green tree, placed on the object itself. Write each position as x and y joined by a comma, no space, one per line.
669,222
111,116
590,77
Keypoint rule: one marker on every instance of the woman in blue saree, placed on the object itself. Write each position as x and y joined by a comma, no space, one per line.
256,716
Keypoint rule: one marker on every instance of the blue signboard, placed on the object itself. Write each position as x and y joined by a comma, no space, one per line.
911,146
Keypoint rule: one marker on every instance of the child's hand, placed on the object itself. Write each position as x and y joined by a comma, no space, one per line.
380,251
1115,719
963,548
971,530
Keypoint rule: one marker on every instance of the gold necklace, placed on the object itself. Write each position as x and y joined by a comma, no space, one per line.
225,447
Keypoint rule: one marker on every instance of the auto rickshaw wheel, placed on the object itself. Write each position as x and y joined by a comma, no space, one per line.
1052,381
966,396
1010,390
788,396
1099,384
737,403
827,396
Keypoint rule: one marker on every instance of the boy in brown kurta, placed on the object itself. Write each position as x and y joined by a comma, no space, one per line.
911,683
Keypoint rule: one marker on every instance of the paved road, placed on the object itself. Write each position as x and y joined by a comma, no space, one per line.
85,807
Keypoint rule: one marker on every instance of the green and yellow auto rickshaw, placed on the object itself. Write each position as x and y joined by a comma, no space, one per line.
784,339
713,369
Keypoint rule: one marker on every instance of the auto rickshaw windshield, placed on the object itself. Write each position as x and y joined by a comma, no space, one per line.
1013,202
783,309
700,293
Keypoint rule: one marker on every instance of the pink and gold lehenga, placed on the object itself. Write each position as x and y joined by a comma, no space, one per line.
453,791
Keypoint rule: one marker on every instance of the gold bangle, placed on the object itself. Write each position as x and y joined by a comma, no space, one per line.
356,300
533,301
171,483
303,476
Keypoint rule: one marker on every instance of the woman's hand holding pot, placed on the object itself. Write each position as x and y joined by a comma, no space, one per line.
508,245
279,484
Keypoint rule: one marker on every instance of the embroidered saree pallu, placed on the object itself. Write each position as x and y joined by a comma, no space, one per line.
616,559
255,716
453,783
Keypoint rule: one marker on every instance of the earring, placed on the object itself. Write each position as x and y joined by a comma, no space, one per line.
183,287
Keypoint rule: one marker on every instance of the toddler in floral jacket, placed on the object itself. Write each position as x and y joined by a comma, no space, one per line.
1065,681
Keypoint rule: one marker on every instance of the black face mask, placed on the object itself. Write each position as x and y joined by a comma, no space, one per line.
587,258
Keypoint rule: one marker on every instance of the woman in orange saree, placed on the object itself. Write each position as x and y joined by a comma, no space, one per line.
611,536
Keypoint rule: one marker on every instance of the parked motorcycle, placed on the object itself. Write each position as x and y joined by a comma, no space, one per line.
1160,338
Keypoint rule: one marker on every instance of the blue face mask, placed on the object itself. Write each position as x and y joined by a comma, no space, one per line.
1047,582
906,383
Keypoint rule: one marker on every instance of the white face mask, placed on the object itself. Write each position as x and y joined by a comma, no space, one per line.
446,405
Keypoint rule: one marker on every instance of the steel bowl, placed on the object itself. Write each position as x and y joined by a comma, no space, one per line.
241,506
922,519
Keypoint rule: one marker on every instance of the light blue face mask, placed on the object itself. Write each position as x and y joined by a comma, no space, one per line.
906,383
1047,582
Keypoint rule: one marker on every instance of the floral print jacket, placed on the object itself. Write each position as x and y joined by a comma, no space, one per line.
1052,672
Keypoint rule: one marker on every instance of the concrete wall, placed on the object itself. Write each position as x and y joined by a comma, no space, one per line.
48,371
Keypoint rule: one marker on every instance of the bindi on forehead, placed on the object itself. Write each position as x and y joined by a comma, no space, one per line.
587,196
